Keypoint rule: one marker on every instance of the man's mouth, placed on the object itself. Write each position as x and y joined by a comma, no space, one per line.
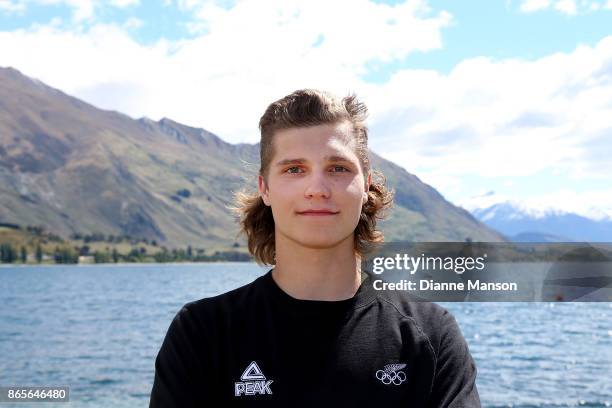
318,212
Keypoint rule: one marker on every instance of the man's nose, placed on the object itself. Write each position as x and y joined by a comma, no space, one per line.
317,186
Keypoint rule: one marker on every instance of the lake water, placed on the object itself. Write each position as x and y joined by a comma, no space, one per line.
98,328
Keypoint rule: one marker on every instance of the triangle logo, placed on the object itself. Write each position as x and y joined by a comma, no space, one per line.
252,372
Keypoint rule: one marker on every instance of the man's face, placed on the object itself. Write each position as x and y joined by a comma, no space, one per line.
315,185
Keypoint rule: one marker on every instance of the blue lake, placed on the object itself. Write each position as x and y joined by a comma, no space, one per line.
98,328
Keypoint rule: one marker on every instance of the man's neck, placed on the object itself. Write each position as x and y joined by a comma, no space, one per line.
317,274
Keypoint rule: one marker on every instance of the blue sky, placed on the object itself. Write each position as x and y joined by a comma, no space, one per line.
499,30
472,97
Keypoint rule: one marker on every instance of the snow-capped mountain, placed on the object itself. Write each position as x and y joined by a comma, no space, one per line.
523,224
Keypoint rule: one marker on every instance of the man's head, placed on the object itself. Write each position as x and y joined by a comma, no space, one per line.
315,186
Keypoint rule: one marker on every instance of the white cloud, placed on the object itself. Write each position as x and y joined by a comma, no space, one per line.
190,4
11,6
567,7
529,6
124,3
133,23
82,10
595,204
497,119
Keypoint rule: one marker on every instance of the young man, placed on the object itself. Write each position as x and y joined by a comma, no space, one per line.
313,331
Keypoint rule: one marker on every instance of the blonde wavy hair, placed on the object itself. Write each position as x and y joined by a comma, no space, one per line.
304,108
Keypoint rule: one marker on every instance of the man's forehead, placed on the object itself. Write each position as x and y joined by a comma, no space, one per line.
334,150
335,137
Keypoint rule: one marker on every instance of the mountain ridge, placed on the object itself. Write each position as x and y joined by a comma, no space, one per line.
520,224
73,168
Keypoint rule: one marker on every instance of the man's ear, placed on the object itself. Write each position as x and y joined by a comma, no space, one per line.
264,192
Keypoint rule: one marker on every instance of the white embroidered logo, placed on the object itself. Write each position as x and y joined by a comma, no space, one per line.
392,373
253,382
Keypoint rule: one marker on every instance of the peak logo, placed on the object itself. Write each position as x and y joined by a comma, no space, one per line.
253,382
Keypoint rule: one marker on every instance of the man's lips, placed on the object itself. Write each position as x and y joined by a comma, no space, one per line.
317,212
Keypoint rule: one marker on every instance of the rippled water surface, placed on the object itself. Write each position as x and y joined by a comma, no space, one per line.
98,328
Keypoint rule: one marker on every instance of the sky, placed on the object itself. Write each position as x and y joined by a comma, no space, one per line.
486,101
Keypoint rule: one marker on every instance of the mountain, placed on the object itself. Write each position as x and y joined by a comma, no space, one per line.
73,168
523,225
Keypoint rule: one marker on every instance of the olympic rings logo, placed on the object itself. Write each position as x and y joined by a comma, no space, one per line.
395,377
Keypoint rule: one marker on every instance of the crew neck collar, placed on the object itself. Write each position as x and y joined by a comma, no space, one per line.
364,295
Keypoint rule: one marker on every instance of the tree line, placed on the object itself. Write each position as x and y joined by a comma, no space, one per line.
10,254
70,255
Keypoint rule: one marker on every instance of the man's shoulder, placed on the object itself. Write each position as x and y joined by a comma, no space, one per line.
408,304
430,318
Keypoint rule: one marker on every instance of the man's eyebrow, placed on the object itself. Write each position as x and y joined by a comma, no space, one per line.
333,158
290,161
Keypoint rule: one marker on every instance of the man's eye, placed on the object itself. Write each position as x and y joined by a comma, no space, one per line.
339,169
293,170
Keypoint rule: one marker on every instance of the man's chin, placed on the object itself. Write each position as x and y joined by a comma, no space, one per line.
321,242
320,245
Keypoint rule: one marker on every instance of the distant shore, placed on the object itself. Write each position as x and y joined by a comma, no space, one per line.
32,245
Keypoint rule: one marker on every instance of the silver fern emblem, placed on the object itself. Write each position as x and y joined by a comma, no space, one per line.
391,368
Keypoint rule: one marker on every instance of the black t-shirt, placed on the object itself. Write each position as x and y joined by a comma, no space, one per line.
258,346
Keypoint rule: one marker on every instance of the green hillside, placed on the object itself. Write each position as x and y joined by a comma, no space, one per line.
75,169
